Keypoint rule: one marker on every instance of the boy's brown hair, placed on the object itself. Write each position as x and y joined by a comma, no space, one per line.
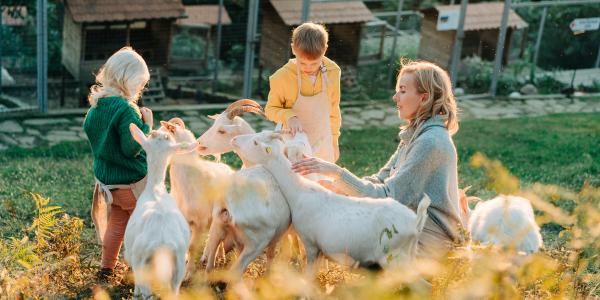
310,40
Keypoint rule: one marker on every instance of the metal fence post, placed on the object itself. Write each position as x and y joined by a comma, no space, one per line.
305,10
393,55
42,54
458,39
597,65
218,48
249,59
1,50
538,42
500,48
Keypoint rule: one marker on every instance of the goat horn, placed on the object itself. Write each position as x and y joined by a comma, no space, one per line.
283,131
178,121
242,102
276,136
471,199
239,110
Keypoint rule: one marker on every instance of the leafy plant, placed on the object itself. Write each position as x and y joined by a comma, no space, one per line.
45,222
386,248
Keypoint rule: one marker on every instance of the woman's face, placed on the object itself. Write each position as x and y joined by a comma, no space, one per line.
408,97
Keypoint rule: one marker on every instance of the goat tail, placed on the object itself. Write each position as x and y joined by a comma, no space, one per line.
163,265
422,213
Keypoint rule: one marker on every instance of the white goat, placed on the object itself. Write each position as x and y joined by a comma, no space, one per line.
227,125
346,229
157,234
254,212
504,220
196,184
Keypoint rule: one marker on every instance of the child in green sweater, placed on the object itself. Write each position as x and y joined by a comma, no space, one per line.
119,161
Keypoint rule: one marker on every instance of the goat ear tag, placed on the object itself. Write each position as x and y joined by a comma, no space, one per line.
269,149
320,143
184,144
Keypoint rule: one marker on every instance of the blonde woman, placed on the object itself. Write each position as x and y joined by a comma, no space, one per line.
119,162
425,161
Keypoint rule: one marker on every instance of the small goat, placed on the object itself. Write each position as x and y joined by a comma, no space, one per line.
253,212
196,184
157,234
504,220
345,229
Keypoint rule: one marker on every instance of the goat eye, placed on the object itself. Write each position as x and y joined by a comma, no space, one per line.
221,132
255,143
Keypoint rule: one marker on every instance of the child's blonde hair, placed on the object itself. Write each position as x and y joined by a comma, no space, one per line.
123,75
430,78
310,40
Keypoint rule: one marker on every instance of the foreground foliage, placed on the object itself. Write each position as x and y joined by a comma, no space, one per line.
45,254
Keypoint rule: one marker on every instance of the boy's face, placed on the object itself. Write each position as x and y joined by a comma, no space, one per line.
307,66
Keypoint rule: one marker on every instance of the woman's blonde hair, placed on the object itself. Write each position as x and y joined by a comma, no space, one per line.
430,78
124,75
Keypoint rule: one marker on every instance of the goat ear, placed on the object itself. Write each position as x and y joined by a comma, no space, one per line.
214,117
318,144
185,147
463,200
279,126
137,134
170,127
285,152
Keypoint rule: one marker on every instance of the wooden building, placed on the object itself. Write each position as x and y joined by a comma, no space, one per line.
482,26
202,20
94,30
344,22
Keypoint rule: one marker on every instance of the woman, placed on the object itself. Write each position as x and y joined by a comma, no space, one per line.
425,161
119,161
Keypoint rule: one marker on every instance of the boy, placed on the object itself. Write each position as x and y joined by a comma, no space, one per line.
305,93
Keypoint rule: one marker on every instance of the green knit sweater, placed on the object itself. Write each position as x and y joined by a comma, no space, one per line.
118,158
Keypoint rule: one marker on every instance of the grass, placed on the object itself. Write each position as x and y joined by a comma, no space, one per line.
560,149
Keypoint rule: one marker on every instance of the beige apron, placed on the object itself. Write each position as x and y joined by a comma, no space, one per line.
314,113
103,199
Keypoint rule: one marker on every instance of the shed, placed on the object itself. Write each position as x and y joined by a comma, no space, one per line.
14,16
482,26
202,20
344,22
94,30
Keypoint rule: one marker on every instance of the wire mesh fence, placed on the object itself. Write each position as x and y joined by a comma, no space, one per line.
198,55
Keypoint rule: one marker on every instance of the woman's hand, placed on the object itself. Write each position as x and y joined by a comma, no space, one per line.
146,116
328,184
310,165
294,125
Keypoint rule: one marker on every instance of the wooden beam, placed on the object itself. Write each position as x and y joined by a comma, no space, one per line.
127,36
553,3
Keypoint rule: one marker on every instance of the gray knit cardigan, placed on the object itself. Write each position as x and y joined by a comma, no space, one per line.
429,166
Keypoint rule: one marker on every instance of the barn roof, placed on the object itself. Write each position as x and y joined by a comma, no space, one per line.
90,11
9,20
481,16
326,12
204,14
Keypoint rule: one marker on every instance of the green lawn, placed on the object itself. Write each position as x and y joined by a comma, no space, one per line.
561,149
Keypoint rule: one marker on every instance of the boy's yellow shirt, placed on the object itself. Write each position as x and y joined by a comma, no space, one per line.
284,91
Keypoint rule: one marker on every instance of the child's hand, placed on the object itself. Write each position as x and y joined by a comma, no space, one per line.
294,125
146,115
336,152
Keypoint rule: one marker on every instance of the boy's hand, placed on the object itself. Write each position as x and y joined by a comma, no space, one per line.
294,125
146,116
336,152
